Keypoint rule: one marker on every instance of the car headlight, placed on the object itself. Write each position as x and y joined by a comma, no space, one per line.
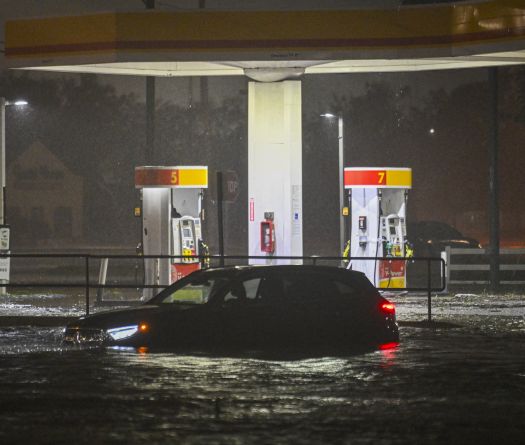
122,332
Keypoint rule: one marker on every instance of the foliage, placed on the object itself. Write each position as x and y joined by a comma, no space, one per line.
100,135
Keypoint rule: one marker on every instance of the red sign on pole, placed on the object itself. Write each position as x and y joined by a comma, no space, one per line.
231,181
252,210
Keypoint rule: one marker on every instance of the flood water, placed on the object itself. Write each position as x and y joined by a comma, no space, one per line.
459,385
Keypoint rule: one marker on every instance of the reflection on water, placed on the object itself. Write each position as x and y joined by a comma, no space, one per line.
462,385
48,304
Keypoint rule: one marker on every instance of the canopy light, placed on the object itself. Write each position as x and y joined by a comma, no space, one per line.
17,103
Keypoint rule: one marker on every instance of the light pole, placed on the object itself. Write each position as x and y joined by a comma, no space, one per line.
3,104
340,134
4,231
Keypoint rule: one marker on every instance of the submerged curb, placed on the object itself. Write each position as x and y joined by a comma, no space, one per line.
39,321
428,324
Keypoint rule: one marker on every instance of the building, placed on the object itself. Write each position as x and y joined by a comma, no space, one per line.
45,200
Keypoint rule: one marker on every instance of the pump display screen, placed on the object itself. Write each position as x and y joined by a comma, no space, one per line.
392,230
186,233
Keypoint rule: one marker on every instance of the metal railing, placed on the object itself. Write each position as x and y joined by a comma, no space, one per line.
475,268
83,272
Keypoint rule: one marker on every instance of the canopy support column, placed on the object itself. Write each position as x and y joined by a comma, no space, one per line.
275,166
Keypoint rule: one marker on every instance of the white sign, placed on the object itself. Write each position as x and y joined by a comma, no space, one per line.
5,264
297,196
4,238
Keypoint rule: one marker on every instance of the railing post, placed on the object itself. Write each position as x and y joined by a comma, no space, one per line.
87,284
102,275
429,287
445,271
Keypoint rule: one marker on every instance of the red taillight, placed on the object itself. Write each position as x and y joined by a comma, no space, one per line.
387,307
386,346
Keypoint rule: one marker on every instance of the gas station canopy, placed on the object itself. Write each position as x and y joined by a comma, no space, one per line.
273,45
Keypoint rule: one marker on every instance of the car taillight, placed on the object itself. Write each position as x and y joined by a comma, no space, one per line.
387,307
387,346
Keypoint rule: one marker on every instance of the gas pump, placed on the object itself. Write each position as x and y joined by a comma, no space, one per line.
378,198
171,220
186,236
393,235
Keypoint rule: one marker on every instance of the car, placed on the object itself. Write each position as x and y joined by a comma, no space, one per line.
286,308
430,238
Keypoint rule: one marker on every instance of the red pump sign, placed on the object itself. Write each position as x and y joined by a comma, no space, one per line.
267,237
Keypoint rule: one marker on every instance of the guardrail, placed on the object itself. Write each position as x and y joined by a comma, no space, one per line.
83,273
476,268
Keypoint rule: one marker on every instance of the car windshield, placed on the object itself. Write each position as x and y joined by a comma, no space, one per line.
196,291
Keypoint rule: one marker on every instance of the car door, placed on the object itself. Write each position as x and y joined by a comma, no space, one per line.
307,321
186,319
254,316
239,317
323,309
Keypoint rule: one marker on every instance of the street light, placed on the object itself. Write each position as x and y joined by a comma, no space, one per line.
3,104
4,231
341,182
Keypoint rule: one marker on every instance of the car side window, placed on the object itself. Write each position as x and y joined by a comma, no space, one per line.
242,291
270,290
344,289
318,286
252,286
197,292
309,286
291,287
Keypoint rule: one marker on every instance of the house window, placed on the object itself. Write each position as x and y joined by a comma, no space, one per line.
63,222
38,224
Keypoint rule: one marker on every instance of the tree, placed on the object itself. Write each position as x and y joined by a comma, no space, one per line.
94,131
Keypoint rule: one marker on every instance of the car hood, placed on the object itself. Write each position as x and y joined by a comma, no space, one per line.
119,317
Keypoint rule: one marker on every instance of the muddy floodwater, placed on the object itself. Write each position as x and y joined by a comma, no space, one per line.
459,385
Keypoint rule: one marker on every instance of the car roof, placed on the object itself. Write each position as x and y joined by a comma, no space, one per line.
286,268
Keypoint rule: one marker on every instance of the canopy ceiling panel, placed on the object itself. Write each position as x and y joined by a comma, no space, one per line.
204,42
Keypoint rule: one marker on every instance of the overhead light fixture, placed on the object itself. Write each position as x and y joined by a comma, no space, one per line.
17,103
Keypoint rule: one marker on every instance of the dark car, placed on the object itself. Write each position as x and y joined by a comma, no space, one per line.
430,238
251,308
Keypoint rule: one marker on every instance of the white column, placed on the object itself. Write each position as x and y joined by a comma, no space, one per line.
275,165
2,158
5,261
